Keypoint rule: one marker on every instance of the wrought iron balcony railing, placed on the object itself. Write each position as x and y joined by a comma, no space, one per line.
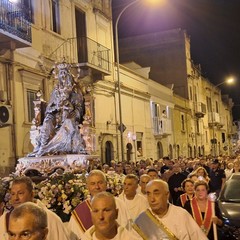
16,20
85,52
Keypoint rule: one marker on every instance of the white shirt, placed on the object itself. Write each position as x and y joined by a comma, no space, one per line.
76,231
122,234
181,224
135,206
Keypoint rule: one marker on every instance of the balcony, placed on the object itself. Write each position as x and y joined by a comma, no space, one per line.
213,118
221,122
200,109
15,26
162,126
85,53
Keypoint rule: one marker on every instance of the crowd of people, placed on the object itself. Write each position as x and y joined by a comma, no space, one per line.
161,199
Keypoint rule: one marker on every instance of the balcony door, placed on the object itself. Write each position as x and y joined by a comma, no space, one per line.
81,35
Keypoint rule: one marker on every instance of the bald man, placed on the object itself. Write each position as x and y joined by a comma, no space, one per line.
104,215
164,220
143,181
80,220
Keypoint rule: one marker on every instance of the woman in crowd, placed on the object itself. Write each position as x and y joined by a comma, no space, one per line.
200,208
188,188
202,174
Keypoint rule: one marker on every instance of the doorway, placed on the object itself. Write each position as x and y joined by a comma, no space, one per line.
108,152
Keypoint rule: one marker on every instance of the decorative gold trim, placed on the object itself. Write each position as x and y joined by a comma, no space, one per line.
139,231
161,225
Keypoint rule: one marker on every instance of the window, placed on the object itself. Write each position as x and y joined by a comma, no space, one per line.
182,122
198,127
223,137
139,136
55,16
31,84
31,96
195,94
191,95
209,104
28,13
155,109
216,105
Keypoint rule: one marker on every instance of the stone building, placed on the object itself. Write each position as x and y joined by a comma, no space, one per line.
36,34
205,122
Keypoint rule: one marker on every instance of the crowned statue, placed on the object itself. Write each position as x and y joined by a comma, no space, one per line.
59,130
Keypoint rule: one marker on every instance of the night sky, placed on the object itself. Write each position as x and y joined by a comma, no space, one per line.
213,26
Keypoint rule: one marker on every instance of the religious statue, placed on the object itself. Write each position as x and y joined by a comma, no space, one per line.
60,133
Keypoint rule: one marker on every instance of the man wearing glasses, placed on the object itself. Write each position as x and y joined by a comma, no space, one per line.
28,222
21,192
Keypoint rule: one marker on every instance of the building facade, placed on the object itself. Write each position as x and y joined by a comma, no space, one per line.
37,34
206,116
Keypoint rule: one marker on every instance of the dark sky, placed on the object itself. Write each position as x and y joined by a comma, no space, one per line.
214,28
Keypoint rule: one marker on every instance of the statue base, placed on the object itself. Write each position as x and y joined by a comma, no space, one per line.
46,165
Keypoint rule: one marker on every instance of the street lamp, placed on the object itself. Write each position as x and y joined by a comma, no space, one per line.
121,125
230,80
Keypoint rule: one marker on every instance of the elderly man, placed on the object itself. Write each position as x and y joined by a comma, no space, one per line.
104,214
135,203
164,220
28,221
80,220
21,192
144,180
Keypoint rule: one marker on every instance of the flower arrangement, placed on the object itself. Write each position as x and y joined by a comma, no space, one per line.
114,183
62,193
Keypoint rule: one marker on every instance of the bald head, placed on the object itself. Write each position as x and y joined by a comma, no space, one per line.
106,196
144,180
162,185
104,214
157,194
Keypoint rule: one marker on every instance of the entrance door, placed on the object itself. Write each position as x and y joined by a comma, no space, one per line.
170,151
159,150
129,151
108,152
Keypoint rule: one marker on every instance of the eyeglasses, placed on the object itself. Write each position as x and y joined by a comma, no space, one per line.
25,235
